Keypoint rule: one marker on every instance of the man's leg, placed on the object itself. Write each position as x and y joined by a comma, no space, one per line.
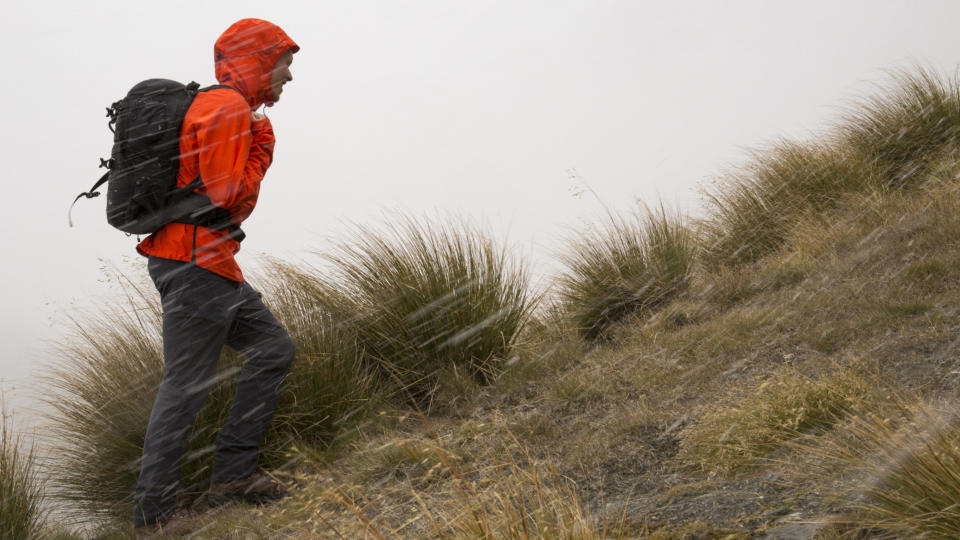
268,352
198,308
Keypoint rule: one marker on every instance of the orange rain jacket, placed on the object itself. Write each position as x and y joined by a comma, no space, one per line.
220,142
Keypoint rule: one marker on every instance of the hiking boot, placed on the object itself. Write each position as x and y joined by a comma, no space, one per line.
257,488
179,522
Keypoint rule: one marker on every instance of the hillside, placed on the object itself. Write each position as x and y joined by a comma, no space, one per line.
733,412
785,367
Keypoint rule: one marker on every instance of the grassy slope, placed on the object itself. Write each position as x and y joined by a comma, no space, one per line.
860,299
782,387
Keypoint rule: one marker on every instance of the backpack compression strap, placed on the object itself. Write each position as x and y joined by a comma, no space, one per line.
89,194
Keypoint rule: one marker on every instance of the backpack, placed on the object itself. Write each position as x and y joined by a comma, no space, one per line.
141,177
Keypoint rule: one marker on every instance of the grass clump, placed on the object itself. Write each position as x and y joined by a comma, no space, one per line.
329,386
752,424
633,264
906,127
424,296
101,400
895,466
21,494
918,485
902,462
754,211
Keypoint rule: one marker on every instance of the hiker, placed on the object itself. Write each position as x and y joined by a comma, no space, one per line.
206,302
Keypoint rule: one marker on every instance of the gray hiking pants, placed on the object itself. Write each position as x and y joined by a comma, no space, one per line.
203,311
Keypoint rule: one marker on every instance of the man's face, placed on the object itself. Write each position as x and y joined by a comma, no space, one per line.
280,75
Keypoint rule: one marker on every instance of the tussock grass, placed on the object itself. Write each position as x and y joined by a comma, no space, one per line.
905,127
631,264
330,387
101,400
754,210
900,462
898,138
751,424
426,295
21,494
918,485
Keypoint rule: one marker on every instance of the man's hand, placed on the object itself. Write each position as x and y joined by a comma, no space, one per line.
259,122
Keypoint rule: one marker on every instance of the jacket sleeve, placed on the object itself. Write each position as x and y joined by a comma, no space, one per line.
233,154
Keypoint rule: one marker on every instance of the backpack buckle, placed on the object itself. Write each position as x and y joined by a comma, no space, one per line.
112,112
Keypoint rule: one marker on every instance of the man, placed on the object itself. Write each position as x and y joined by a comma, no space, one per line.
206,302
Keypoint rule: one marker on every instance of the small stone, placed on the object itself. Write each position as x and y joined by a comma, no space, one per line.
793,531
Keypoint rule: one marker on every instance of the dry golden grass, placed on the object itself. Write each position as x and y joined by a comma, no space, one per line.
758,419
895,468
755,208
504,494
22,510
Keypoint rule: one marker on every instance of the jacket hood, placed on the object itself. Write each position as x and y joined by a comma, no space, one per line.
244,57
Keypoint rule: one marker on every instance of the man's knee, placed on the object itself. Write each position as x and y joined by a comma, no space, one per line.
175,400
277,353
286,350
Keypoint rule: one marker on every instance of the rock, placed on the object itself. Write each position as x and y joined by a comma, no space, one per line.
777,511
794,531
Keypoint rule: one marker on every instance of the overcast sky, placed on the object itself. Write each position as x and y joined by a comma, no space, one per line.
480,108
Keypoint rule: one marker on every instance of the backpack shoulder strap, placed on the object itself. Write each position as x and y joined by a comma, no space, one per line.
217,87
